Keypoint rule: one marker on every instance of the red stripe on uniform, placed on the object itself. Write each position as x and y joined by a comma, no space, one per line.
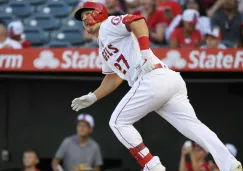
122,110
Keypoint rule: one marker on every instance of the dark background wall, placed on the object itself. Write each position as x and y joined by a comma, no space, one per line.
39,116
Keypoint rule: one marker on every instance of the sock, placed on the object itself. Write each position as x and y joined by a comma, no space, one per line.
142,154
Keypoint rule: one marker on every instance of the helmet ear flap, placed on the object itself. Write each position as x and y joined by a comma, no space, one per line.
98,15
95,17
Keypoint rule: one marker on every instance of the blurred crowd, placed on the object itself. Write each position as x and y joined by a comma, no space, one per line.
171,23
80,152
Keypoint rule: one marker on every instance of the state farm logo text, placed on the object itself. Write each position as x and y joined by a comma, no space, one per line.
219,61
197,59
11,61
69,60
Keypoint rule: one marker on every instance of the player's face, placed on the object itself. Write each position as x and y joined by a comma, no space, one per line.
83,129
90,29
30,159
212,42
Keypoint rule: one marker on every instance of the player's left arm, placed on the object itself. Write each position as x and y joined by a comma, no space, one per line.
138,26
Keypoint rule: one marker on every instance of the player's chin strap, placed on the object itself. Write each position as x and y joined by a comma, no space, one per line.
95,17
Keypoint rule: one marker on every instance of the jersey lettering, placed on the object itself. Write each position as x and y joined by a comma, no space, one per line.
115,50
109,51
120,59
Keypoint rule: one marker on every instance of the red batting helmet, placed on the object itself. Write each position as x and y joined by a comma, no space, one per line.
99,14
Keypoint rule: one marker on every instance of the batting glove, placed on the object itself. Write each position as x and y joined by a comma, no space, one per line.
83,101
147,62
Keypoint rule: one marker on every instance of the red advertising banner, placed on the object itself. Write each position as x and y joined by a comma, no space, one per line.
87,60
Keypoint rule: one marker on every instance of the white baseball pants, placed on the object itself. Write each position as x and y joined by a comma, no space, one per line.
164,91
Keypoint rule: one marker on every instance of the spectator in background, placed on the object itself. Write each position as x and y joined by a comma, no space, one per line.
197,158
5,41
30,160
213,39
155,21
240,6
15,32
132,5
79,152
229,21
112,7
203,24
241,35
186,36
170,8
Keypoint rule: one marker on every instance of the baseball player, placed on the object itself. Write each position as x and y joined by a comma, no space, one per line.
125,54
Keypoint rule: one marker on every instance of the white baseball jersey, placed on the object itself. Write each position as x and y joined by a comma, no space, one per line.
119,50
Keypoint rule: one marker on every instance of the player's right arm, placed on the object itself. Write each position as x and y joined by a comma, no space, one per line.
108,85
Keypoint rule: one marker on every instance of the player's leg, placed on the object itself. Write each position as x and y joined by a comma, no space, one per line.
179,112
139,101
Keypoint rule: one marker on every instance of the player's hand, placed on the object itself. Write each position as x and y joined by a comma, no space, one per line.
83,101
146,62
147,65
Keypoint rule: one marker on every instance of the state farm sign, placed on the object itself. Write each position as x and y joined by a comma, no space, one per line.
69,59
87,60
204,60
50,60
11,61
75,60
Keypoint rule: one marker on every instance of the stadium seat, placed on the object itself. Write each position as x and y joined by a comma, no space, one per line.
37,37
42,21
50,1
37,2
19,9
59,44
7,18
57,9
72,35
73,2
3,2
72,23
32,2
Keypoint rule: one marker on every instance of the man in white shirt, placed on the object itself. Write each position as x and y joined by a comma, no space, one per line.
5,41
